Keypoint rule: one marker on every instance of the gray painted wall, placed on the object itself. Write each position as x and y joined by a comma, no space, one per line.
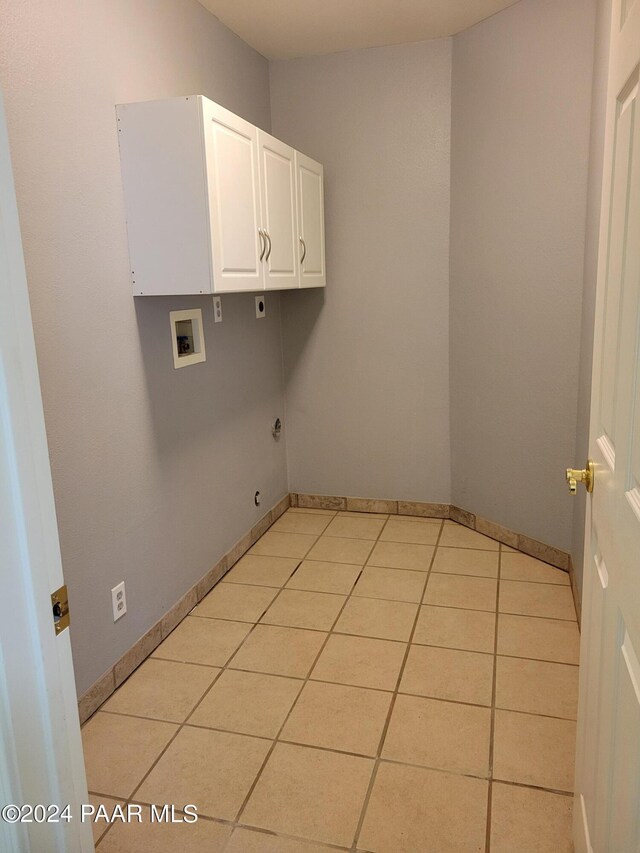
520,145
366,362
596,160
154,469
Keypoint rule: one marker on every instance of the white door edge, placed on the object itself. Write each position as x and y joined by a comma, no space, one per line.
42,761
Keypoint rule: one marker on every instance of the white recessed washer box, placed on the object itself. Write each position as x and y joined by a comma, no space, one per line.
187,337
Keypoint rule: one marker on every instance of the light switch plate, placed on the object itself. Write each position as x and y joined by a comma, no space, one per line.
261,307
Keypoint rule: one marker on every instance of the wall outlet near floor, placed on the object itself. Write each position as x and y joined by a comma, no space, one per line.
217,309
261,307
118,601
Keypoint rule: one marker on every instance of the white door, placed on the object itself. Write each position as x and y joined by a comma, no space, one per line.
231,148
278,206
41,759
607,805
310,187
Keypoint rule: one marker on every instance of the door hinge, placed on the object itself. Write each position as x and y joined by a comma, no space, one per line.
60,608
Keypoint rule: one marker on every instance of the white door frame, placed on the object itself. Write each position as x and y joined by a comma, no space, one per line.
41,759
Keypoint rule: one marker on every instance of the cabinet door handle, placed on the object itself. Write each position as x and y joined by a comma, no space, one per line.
304,250
263,243
268,236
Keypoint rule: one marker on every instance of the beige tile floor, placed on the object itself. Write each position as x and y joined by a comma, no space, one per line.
355,682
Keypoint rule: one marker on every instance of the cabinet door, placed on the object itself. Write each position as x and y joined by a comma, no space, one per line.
310,189
231,150
278,206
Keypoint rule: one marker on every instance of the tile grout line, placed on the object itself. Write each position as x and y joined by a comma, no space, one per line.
308,677
394,761
378,759
224,578
329,634
129,798
215,680
331,631
453,515
224,559
332,514
380,598
254,625
379,689
340,684
280,590
257,829
385,728
493,708
328,845
304,683
330,749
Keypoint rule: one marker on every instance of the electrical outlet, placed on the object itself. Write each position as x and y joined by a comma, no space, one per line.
118,601
261,307
217,309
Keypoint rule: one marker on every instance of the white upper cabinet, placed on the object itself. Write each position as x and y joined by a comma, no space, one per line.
310,191
231,155
215,205
279,214
165,193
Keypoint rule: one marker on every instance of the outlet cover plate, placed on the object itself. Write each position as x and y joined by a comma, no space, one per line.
261,307
217,309
118,601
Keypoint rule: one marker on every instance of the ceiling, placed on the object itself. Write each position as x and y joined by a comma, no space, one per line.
283,29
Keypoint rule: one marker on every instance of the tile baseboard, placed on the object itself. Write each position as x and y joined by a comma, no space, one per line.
103,688
346,504
109,682
577,603
519,541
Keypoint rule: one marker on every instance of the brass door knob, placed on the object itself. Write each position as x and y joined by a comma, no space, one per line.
584,475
